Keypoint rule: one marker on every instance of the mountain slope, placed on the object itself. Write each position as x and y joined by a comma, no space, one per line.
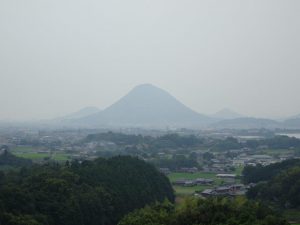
147,105
82,113
292,123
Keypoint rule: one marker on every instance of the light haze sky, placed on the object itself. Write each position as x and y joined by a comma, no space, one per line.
57,56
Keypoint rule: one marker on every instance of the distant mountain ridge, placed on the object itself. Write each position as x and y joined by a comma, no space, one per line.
294,117
147,106
292,123
227,114
246,123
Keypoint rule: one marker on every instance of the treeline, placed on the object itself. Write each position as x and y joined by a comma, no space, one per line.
91,193
282,190
255,174
227,144
277,142
165,141
117,138
277,184
205,212
7,159
189,141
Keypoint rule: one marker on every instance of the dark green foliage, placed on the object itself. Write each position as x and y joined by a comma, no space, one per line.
208,156
278,183
277,142
205,212
91,193
157,214
254,174
228,144
8,159
282,190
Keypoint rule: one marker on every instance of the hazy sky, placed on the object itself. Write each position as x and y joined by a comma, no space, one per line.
57,56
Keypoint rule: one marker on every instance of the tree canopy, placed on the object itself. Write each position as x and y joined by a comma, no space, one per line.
282,190
89,193
8,159
205,212
254,174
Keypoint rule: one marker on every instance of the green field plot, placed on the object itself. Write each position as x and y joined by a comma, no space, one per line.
239,170
41,156
32,155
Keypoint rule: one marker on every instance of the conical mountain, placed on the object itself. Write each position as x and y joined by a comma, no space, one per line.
147,105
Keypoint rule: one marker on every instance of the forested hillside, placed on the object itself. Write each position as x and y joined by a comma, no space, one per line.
254,174
8,159
277,184
283,190
205,212
89,193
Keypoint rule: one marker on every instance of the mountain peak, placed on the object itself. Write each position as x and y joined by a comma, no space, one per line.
145,85
147,89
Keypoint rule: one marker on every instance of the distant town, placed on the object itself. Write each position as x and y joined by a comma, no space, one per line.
200,163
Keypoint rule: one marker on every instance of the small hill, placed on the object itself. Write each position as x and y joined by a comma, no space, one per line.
281,184
292,123
92,192
294,117
246,123
226,114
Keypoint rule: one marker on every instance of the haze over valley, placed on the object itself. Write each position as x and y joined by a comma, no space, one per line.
147,106
150,112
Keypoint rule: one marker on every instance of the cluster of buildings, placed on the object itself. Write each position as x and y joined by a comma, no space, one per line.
224,164
230,190
245,160
195,182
